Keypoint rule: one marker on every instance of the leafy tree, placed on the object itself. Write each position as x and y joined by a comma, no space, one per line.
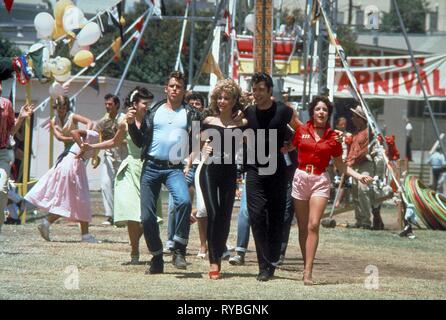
413,13
348,40
156,59
7,48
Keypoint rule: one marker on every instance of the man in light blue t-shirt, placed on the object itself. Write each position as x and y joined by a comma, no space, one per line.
164,139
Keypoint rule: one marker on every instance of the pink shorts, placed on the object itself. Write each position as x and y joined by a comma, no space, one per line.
307,185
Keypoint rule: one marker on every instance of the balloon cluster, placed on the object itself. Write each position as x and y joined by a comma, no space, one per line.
68,21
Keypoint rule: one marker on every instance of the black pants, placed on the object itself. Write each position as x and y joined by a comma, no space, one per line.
436,173
289,212
266,197
218,183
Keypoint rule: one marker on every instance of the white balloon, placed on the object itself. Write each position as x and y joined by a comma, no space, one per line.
89,34
44,24
75,48
72,18
250,22
56,89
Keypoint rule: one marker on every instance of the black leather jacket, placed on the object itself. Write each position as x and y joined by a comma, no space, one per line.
142,137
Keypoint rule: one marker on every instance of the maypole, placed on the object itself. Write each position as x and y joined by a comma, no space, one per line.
51,151
420,80
209,42
26,151
135,48
233,35
371,121
178,64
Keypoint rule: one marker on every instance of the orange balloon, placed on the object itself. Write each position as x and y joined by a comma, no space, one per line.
83,58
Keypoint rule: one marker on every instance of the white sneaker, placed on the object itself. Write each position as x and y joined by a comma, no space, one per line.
226,255
44,230
89,238
108,222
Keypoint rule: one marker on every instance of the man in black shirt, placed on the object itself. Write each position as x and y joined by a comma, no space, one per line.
266,176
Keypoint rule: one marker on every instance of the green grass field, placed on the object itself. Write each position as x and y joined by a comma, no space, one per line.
32,268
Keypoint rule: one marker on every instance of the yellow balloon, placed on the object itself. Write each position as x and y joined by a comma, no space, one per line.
59,10
58,31
83,58
60,66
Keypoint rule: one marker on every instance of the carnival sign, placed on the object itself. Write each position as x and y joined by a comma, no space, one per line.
380,77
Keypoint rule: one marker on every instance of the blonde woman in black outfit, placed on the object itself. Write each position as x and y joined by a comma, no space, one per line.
217,172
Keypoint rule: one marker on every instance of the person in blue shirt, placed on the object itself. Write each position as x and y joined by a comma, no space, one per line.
438,163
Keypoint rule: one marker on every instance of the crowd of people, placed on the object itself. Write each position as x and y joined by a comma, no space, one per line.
246,141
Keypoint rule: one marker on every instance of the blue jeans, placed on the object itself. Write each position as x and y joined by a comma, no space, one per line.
243,224
152,177
171,209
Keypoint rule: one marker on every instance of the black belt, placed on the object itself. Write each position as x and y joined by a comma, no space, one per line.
164,163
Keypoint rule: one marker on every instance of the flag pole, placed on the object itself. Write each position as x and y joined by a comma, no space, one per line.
135,48
420,81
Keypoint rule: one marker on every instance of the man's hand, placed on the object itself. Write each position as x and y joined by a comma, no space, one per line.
287,147
186,169
339,136
130,115
80,154
95,161
193,217
238,116
26,111
365,179
85,147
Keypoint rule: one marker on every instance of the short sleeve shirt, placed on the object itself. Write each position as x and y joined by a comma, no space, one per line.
108,128
315,153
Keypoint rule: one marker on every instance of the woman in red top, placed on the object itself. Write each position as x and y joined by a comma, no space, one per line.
317,144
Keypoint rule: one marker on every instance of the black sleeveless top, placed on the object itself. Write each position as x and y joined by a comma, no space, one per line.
227,143
275,119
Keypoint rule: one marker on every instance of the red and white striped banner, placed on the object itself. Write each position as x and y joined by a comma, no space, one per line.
394,76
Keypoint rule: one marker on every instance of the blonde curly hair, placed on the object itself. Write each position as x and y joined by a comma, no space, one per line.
230,88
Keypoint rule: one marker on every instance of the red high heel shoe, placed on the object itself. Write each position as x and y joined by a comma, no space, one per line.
214,275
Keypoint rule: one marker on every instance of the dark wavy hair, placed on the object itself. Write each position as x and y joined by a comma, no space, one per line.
262,76
113,97
194,95
63,101
315,101
179,76
137,94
